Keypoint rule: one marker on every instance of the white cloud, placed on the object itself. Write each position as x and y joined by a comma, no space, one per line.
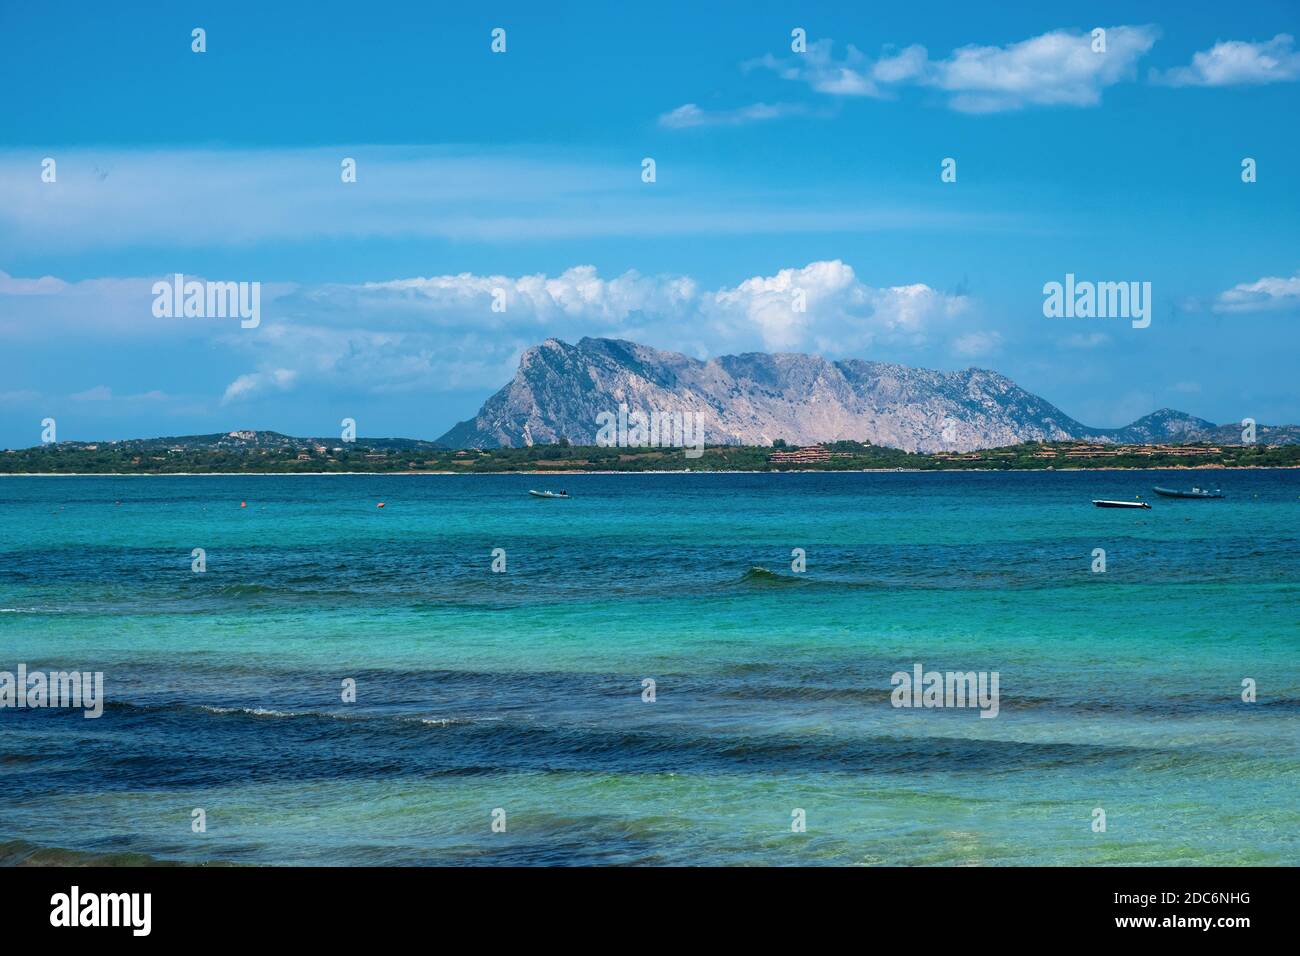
842,316
45,285
111,309
689,115
1237,62
531,301
770,305
1269,294
179,200
255,383
1054,69
904,66
974,344
819,69
440,333
100,393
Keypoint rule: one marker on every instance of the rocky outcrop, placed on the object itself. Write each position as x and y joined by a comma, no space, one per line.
756,398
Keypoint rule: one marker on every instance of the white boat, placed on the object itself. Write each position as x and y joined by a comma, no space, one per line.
1103,503
548,494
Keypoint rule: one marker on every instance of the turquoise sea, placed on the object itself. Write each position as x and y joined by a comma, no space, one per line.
522,691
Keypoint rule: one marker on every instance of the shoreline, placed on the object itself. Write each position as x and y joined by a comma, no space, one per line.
673,471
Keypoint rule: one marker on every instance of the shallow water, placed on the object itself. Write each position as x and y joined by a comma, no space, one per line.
522,690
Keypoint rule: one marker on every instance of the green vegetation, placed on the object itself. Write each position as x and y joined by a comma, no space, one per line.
140,458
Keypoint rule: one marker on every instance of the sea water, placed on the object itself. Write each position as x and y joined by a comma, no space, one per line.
651,679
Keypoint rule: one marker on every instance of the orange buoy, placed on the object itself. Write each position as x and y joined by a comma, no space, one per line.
380,505
243,504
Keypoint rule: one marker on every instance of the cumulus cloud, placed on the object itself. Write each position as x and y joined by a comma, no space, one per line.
466,331
1237,62
531,299
1059,68
1269,294
825,307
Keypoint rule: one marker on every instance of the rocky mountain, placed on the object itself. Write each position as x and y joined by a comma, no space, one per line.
1163,425
756,398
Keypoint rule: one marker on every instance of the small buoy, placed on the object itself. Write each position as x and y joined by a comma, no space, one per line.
380,505
243,504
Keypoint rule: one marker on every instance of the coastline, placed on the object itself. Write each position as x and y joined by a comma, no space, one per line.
648,471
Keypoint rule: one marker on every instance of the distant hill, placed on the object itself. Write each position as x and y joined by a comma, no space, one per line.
757,398
250,440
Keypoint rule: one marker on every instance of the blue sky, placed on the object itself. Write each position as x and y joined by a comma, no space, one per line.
521,171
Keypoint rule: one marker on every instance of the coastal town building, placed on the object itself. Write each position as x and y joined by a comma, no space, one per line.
800,456
809,454
1089,450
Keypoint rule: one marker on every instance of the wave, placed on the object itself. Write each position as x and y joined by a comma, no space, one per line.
263,711
396,745
239,589
23,853
268,712
762,577
271,713
784,692
448,721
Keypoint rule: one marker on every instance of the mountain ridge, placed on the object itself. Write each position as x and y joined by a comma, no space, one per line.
756,398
